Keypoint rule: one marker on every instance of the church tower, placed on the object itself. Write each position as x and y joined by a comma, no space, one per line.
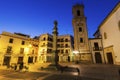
80,33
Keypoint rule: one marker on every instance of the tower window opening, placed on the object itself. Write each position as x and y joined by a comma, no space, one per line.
81,40
44,39
78,12
80,29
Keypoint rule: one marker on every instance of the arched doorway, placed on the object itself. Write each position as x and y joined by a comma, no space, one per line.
98,58
109,58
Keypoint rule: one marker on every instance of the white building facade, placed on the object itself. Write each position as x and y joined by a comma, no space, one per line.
109,31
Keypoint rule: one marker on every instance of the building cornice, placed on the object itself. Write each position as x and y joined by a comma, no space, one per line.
15,36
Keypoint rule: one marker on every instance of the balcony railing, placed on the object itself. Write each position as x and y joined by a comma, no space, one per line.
9,52
97,48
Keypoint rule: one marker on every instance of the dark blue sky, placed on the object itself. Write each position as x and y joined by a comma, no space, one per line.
35,17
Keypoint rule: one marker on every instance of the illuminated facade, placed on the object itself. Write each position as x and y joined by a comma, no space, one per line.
109,31
64,48
45,48
17,48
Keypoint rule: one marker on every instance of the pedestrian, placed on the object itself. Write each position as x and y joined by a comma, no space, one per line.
21,66
78,71
15,68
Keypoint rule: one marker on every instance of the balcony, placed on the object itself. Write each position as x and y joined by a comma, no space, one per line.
97,48
9,52
43,45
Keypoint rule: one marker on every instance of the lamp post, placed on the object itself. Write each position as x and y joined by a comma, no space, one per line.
55,34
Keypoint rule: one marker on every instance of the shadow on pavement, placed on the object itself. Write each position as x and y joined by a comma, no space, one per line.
67,77
25,75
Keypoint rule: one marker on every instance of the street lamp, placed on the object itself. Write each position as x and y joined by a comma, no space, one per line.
77,54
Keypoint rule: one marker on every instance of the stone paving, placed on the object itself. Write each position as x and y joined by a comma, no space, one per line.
87,72
13,75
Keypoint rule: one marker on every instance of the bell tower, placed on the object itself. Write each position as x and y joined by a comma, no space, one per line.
80,32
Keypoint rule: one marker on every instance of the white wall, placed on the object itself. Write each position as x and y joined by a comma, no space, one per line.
113,34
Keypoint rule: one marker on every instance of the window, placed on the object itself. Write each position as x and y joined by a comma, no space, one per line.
62,40
66,40
78,12
58,45
66,45
32,51
23,43
80,29
62,51
62,45
10,40
44,39
51,45
81,40
9,49
58,51
105,35
58,40
66,51
119,25
96,44
21,50
43,50
49,39
43,44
